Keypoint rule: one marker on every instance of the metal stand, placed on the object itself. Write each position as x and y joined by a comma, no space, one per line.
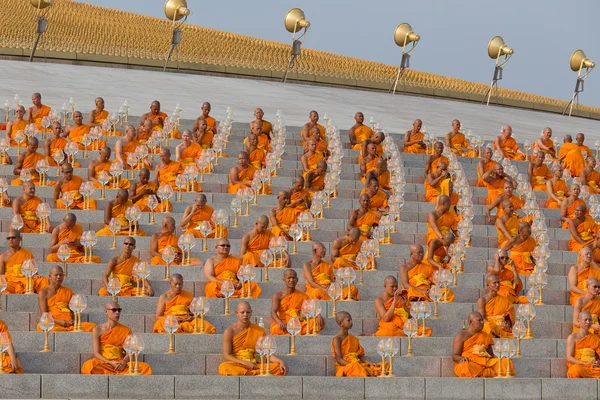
176,39
404,63
296,52
575,98
41,28
494,85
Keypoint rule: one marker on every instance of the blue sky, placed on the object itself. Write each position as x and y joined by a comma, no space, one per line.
454,34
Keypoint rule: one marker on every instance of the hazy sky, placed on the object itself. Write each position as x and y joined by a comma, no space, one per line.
454,34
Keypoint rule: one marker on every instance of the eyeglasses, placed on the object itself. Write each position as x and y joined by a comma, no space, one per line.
11,237
114,309
596,287
224,245
503,258
128,244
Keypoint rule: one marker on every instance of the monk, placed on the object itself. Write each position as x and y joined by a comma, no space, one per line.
70,183
210,121
568,206
319,275
282,216
315,180
254,242
348,353
176,301
521,246
595,246
434,159
359,132
194,215
392,309
68,232
256,155
263,141
126,146
98,115
417,277
484,165
167,170
369,161
311,158
121,267
507,195
457,142
441,220
583,350
570,156
364,218
378,199
55,299
187,151
381,173
145,131
28,160
38,111
300,197
377,139
345,249
322,147
539,172
107,343
436,182
557,189
76,133
589,302
8,360
495,179
240,176
202,134
589,176
10,266
25,206
116,208
437,251
472,352
580,138
314,122
287,304
508,145
16,125
157,117
141,190
55,143
266,128
510,281
159,241
103,163
498,311
224,267
413,139
544,144
583,229
580,272
239,347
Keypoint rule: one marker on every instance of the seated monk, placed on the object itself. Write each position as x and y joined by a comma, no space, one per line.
589,176
70,183
507,195
378,199
570,156
495,179
210,121
158,119
434,159
239,347
240,176
583,229
417,277
126,146
224,267
16,125
441,220
121,267
580,138
315,180
508,145
437,251
311,158
28,160
256,155
392,309
202,134
348,353
68,232
381,173
263,141
364,218
176,301
142,189
538,172
314,122
498,311
436,182
544,144
55,299
25,206
568,206
116,208
10,266
103,163
187,151
287,304
8,359
319,275
589,302
54,143
521,246
345,249
473,354
510,281
255,242
413,139
194,215
359,132
484,165
145,131
377,140
579,273
596,249
282,216
98,115
583,350
266,128
38,111
159,241
370,160
321,143
457,142
300,197
167,170
77,131
107,343
557,189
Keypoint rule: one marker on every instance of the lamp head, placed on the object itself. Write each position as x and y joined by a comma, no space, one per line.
41,4
497,47
175,9
295,20
579,60
404,31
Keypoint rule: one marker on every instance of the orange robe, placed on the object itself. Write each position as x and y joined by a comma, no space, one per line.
348,255
164,242
245,175
481,364
582,277
227,270
310,136
517,202
509,148
362,133
521,255
76,135
15,280
509,288
123,182
351,352
383,178
498,311
244,345
548,143
459,143
593,307
73,186
30,162
323,275
258,158
289,307
205,214
318,183
540,175
432,192
285,218
72,235
396,325
255,247
312,162
378,201
486,168
5,358
560,190
99,119
111,348
366,222
19,126
593,179
587,230
168,174
58,305
123,271
31,222
571,211
495,189
512,226
415,148
421,277
189,155
571,158
118,211
438,160
59,144
587,350
446,223
142,203
300,195
211,123
36,118
179,306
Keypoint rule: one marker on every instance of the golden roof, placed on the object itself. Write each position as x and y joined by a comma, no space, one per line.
87,29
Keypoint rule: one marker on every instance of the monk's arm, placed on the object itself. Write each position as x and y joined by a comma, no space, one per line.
404,279
8,131
57,189
353,218
107,271
108,212
430,250
244,245
178,152
149,289
2,264
570,352
337,349
574,234
576,311
275,304
572,279
29,115
550,191
7,159
16,205
363,166
381,312
431,219
91,117
13,356
309,278
488,177
457,349
493,205
187,216
154,246
427,166
502,228
435,181
480,168
119,152
66,132
19,164
408,142
335,250
364,146
304,162
160,307
481,307
447,142
157,174
233,178
98,352
352,137
209,271
92,172
287,261
42,304
54,244
228,351
530,171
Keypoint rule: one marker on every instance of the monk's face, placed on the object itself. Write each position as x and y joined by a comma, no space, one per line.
390,286
261,225
258,114
373,186
417,253
200,201
506,132
585,255
591,162
256,129
253,139
378,138
130,134
455,125
77,118
128,246
314,117
147,127
498,170
223,247
574,190
487,154
546,134
494,284
580,211
56,129
319,250
364,201
298,184
290,279
508,208
244,313
32,146
580,139
205,109
372,149
104,155
69,222
311,145
113,312
36,101
438,148
176,285
165,156
13,239
321,168
539,159
144,177
155,108
28,189
316,134
508,189
593,288
417,125
243,161
57,276
20,112
100,103
359,117
169,225
503,258
186,138
476,323
346,323
67,172
202,125
283,199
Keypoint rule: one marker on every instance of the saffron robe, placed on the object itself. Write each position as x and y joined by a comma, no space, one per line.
205,214
560,190
285,218
166,241
539,177
497,310
421,277
587,350
481,364
179,306
323,275
227,270
58,305
509,149
446,223
351,352
118,211
396,325
415,148
73,186
255,247
72,234
5,358
587,230
15,280
521,255
123,271
289,307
